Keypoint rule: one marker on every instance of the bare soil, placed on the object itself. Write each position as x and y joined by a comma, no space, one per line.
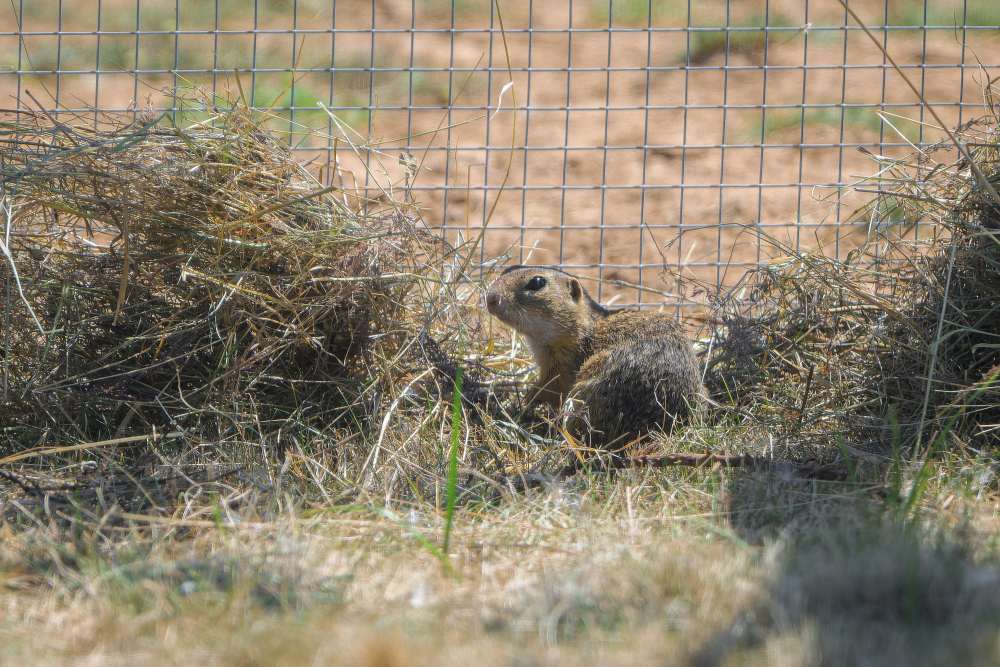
585,175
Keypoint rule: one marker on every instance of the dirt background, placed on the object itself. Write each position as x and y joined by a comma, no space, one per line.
627,154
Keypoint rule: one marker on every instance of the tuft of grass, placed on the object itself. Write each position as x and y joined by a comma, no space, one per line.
908,370
777,121
277,96
111,309
440,9
451,490
430,88
706,44
637,12
980,13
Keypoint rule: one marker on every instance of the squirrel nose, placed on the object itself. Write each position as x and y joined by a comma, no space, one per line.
492,301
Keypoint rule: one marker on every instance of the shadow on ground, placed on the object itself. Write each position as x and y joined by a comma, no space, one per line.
851,587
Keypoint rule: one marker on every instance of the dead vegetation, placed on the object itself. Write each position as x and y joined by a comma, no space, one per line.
896,345
223,432
195,280
197,289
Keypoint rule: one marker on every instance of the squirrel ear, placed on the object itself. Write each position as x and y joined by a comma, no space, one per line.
575,289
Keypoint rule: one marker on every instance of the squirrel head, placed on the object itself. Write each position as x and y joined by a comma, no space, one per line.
544,305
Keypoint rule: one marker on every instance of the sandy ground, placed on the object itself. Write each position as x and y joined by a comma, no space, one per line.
627,167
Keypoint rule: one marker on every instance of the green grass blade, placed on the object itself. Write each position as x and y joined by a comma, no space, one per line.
456,433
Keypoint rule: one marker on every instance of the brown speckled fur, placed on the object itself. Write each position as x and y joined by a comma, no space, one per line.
627,371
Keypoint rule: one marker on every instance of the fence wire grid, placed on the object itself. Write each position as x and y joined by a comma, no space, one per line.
631,142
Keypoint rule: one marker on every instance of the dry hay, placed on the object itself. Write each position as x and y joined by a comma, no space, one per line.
197,281
200,282
822,350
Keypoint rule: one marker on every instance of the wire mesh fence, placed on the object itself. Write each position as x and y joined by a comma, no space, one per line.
639,143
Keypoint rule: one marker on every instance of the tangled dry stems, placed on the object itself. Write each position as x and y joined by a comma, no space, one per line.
199,283
896,345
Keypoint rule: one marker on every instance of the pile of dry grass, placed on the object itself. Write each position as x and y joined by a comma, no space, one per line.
197,281
896,345
200,283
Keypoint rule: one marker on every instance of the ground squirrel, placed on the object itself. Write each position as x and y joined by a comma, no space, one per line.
628,371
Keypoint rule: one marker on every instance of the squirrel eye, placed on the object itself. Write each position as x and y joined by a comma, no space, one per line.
535,284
